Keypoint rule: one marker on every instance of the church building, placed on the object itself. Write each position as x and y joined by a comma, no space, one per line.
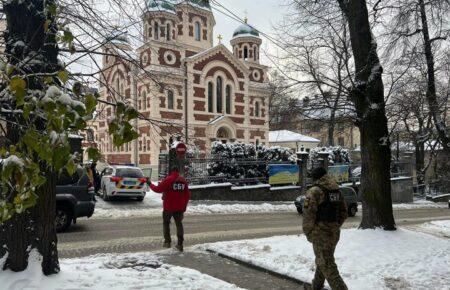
184,85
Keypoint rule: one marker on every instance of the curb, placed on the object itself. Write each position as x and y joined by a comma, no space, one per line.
261,269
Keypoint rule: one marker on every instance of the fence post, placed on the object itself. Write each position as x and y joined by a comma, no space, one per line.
302,162
323,157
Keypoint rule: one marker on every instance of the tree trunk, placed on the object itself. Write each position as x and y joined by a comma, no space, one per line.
368,97
420,161
433,104
34,229
331,124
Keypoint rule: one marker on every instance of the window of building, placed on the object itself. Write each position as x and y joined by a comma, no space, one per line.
255,51
210,97
245,53
156,30
219,94
144,99
197,32
257,109
168,33
228,99
170,100
341,141
90,135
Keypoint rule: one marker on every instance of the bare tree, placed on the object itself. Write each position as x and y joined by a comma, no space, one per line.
367,96
421,27
319,64
284,107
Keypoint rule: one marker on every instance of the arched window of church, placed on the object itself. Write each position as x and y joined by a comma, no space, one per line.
228,99
257,109
168,32
144,99
245,53
197,31
210,97
117,86
170,99
219,94
156,30
255,52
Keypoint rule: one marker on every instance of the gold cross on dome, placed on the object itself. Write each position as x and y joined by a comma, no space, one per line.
246,16
220,37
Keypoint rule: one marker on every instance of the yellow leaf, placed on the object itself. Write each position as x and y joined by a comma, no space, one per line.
63,76
17,84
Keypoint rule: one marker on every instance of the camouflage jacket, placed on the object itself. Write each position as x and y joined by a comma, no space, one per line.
314,197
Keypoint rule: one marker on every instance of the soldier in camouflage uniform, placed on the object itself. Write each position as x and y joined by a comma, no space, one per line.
324,213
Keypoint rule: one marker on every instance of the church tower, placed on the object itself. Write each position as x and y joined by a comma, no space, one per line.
246,43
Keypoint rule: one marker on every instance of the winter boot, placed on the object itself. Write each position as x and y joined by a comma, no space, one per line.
166,244
179,247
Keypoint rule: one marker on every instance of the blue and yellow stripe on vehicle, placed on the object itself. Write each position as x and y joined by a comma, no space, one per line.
121,186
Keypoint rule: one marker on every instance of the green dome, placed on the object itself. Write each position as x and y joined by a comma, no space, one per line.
118,37
160,6
204,4
245,29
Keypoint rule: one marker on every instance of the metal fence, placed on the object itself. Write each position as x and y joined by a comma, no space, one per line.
237,171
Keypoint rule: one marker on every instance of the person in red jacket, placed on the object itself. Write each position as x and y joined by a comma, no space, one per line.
175,195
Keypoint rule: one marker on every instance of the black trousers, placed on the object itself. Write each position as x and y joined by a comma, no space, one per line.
178,217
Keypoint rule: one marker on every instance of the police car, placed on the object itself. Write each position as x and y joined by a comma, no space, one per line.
123,181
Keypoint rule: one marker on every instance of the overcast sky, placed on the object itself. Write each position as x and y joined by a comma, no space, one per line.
262,14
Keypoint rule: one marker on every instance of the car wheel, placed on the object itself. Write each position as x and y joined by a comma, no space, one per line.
352,210
105,195
140,198
63,218
300,209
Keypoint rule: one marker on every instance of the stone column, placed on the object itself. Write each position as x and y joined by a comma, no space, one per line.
302,162
323,158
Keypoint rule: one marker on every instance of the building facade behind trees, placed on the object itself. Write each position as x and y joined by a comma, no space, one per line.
193,87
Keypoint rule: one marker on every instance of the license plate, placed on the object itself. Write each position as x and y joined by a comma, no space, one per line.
129,182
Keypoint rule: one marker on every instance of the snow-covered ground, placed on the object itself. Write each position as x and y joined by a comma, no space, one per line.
111,272
437,227
152,205
369,259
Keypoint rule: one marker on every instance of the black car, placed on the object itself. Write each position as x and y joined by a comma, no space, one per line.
350,196
75,197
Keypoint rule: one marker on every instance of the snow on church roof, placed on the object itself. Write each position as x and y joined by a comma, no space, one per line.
289,136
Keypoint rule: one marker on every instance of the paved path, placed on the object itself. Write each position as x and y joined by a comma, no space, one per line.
226,270
144,234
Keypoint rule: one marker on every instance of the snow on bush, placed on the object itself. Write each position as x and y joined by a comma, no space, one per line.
336,155
245,161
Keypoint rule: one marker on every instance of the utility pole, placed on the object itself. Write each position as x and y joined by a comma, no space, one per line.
134,93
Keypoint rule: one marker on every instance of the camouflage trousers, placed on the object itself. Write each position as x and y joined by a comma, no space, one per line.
324,245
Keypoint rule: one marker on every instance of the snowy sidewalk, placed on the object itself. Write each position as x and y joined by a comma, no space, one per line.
370,259
226,270
112,272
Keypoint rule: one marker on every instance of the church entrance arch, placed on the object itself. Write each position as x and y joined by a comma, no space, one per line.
224,134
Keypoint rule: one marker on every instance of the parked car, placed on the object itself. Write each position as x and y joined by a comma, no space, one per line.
350,197
123,181
75,198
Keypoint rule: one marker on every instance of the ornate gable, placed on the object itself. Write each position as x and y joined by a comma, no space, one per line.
218,53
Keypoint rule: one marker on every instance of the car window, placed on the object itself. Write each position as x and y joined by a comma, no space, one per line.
65,178
129,172
348,192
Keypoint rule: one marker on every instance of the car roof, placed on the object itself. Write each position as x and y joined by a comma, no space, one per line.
124,167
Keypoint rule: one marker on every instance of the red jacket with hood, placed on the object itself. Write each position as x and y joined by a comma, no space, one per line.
175,192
